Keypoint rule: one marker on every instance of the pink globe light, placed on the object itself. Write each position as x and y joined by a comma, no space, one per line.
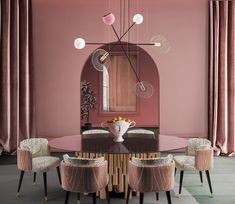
109,19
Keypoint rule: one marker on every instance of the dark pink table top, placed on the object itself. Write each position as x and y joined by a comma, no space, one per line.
103,143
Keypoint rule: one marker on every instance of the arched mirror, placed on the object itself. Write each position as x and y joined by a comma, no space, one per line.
115,87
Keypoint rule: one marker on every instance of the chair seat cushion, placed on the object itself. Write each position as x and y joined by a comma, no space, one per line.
45,163
185,163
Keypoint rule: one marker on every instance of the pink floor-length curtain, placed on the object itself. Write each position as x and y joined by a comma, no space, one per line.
16,74
221,77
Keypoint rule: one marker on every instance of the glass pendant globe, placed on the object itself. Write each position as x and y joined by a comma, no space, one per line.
138,18
161,44
79,43
144,89
100,59
109,19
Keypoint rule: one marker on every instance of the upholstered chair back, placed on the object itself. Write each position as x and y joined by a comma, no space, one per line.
94,131
84,178
140,130
37,146
151,178
82,161
196,144
142,133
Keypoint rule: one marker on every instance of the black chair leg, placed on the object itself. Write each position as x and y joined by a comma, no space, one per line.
168,195
20,182
107,194
201,178
58,172
181,181
94,198
78,197
157,196
45,184
66,197
128,194
175,170
34,177
209,180
141,198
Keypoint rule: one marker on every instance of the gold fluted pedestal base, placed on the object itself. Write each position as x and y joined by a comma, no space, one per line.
117,169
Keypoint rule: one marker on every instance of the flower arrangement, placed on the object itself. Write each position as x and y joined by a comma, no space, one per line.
88,102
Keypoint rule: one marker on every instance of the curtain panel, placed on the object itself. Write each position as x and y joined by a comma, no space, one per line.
221,77
17,110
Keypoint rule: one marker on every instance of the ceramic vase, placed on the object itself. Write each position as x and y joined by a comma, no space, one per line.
118,128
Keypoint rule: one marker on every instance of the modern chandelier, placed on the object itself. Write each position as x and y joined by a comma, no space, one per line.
101,57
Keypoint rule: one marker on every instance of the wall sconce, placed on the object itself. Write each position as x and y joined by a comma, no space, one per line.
100,57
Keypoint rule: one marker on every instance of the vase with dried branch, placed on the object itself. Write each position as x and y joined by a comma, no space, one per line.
88,102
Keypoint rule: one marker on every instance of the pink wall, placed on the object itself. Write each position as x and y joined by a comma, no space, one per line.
183,71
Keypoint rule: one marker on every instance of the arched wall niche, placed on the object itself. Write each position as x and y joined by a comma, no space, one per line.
148,113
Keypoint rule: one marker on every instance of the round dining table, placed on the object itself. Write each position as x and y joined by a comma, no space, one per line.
133,143
118,154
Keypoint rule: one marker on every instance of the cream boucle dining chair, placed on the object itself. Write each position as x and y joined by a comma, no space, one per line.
33,155
199,157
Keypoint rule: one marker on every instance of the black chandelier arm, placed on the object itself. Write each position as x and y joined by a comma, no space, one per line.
114,44
126,31
119,40
100,43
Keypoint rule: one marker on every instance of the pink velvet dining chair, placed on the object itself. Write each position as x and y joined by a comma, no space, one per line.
199,157
81,177
33,155
151,175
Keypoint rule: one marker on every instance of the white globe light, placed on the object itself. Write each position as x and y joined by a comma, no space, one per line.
79,43
138,18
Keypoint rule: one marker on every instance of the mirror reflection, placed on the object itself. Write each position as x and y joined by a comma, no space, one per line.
119,82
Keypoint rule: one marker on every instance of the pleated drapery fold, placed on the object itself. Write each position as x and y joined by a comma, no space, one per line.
17,101
221,77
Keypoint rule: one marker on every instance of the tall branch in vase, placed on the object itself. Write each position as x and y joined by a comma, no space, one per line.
88,102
